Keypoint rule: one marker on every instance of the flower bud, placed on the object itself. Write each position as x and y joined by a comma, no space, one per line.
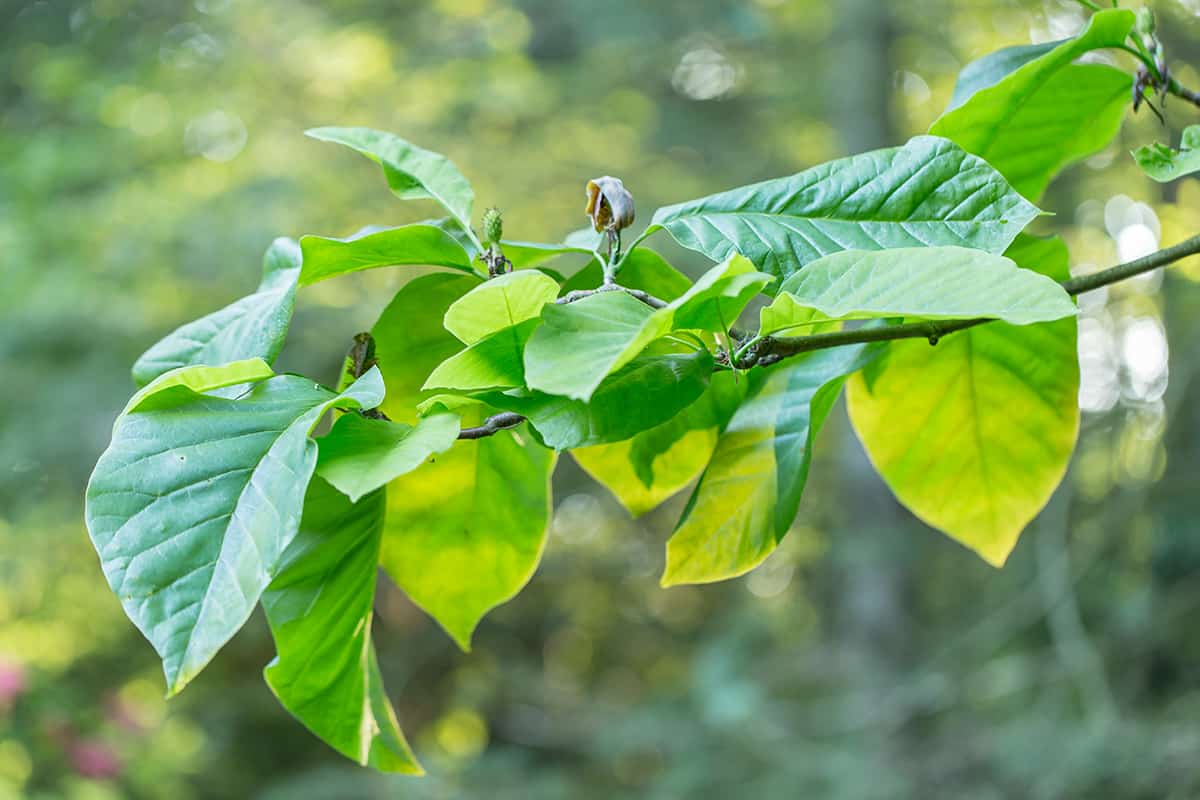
493,226
609,204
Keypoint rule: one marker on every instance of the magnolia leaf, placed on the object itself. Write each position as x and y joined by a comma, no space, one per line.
499,303
929,192
410,341
581,343
319,607
642,269
466,532
1163,164
412,173
750,493
525,255
644,393
494,362
253,327
644,471
194,501
973,435
993,67
360,455
200,379
1049,112
928,282
418,244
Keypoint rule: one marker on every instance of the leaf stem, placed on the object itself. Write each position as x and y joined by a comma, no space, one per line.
492,425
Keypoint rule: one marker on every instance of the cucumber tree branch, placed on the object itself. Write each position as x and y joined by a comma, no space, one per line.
769,349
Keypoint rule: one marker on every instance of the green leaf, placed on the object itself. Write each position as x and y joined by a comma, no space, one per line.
494,362
412,172
642,269
929,192
1163,164
194,501
750,493
581,343
499,303
418,244
319,607
644,471
992,68
200,379
360,455
525,255
928,282
786,317
465,533
644,393
973,435
410,340
1048,112
253,327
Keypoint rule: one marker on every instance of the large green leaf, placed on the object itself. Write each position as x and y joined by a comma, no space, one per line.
499,303
494,362
360,455
253,327
1049,112
1163,164
413,173
319,607
643,394
750,493
410,340
928,192
194,501
993,67
928,282
465,533
581,343
418,244
973,435
644,471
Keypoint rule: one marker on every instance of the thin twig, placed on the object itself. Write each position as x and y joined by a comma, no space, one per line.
637,294
492,425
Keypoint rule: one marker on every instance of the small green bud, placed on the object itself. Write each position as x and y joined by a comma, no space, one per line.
493,226
1145,22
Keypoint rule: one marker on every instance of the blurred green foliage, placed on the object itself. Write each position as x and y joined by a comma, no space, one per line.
149,152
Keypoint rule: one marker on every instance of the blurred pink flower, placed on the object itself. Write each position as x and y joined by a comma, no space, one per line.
94,759
12,682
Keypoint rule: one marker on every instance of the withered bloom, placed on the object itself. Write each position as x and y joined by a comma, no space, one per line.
609,204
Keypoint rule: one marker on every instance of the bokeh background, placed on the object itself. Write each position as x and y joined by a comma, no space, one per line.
150,151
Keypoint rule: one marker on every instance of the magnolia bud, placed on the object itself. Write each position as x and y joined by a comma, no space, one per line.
493,226
609,204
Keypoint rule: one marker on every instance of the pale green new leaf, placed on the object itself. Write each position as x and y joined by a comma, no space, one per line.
927,282
418,244
525,255
750,493
643,394
928,192
499,303
194,501
360,455
413,173
1049,112
253,327
200,379
319,607
466,532
581,343
644,471
494,362
973,435
990,69
1163,164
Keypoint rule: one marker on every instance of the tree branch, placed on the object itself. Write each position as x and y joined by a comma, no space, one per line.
492,425
769,349
637,294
